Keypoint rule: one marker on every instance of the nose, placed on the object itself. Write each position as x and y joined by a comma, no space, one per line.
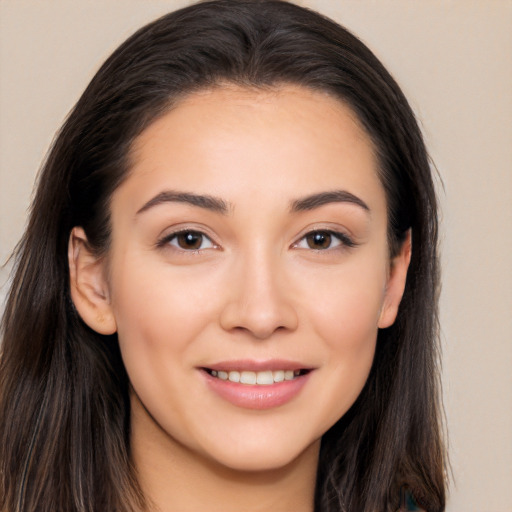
260,302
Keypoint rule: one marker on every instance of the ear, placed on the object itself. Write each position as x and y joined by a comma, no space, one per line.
396,283
88,284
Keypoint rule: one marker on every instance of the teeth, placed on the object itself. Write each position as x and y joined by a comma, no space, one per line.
264,378
279,376
248,377
234,376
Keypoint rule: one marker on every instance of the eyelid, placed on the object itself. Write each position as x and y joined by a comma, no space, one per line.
164,240
345,240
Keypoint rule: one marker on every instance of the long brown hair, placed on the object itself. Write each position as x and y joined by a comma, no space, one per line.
64,408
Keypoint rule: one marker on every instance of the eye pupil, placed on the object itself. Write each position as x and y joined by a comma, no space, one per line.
319,240
190,240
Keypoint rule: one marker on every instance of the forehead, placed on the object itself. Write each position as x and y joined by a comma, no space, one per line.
231,140
321,115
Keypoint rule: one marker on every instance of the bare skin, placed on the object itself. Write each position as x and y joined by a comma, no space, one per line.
250,232
200,484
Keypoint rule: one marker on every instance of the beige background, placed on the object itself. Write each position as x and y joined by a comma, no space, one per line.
453,60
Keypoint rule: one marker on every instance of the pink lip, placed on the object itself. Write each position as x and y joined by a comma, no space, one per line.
257,366
257,396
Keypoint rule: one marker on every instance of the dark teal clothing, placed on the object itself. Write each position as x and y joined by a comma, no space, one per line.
408,503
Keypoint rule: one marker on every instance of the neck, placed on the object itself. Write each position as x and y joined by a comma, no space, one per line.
174,478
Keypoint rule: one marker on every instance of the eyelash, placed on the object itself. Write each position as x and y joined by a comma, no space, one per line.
167,239
344,240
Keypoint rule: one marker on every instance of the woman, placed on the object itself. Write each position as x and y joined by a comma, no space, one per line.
226,293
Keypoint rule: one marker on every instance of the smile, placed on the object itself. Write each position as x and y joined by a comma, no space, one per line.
256,385
260,378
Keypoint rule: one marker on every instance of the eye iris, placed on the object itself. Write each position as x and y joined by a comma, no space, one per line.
190,240
319,240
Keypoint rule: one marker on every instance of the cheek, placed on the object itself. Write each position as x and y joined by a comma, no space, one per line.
349,320
157,313
347,324
345,306
159,321
344,316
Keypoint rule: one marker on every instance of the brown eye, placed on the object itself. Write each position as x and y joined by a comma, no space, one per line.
324,239
319,240
189,241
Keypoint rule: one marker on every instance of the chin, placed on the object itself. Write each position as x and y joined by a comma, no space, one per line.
261,456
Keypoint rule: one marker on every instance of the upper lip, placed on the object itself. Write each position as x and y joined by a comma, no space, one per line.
257,366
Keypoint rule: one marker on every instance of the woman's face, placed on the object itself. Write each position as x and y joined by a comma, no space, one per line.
249,242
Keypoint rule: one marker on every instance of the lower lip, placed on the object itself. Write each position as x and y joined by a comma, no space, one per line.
254,396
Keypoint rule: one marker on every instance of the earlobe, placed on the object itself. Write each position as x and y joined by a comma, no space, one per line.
396,283
88,285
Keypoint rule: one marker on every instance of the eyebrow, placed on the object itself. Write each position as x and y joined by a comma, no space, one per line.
335,196
218,205
207,202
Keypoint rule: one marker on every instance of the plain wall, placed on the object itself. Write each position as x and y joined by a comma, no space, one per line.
454,62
